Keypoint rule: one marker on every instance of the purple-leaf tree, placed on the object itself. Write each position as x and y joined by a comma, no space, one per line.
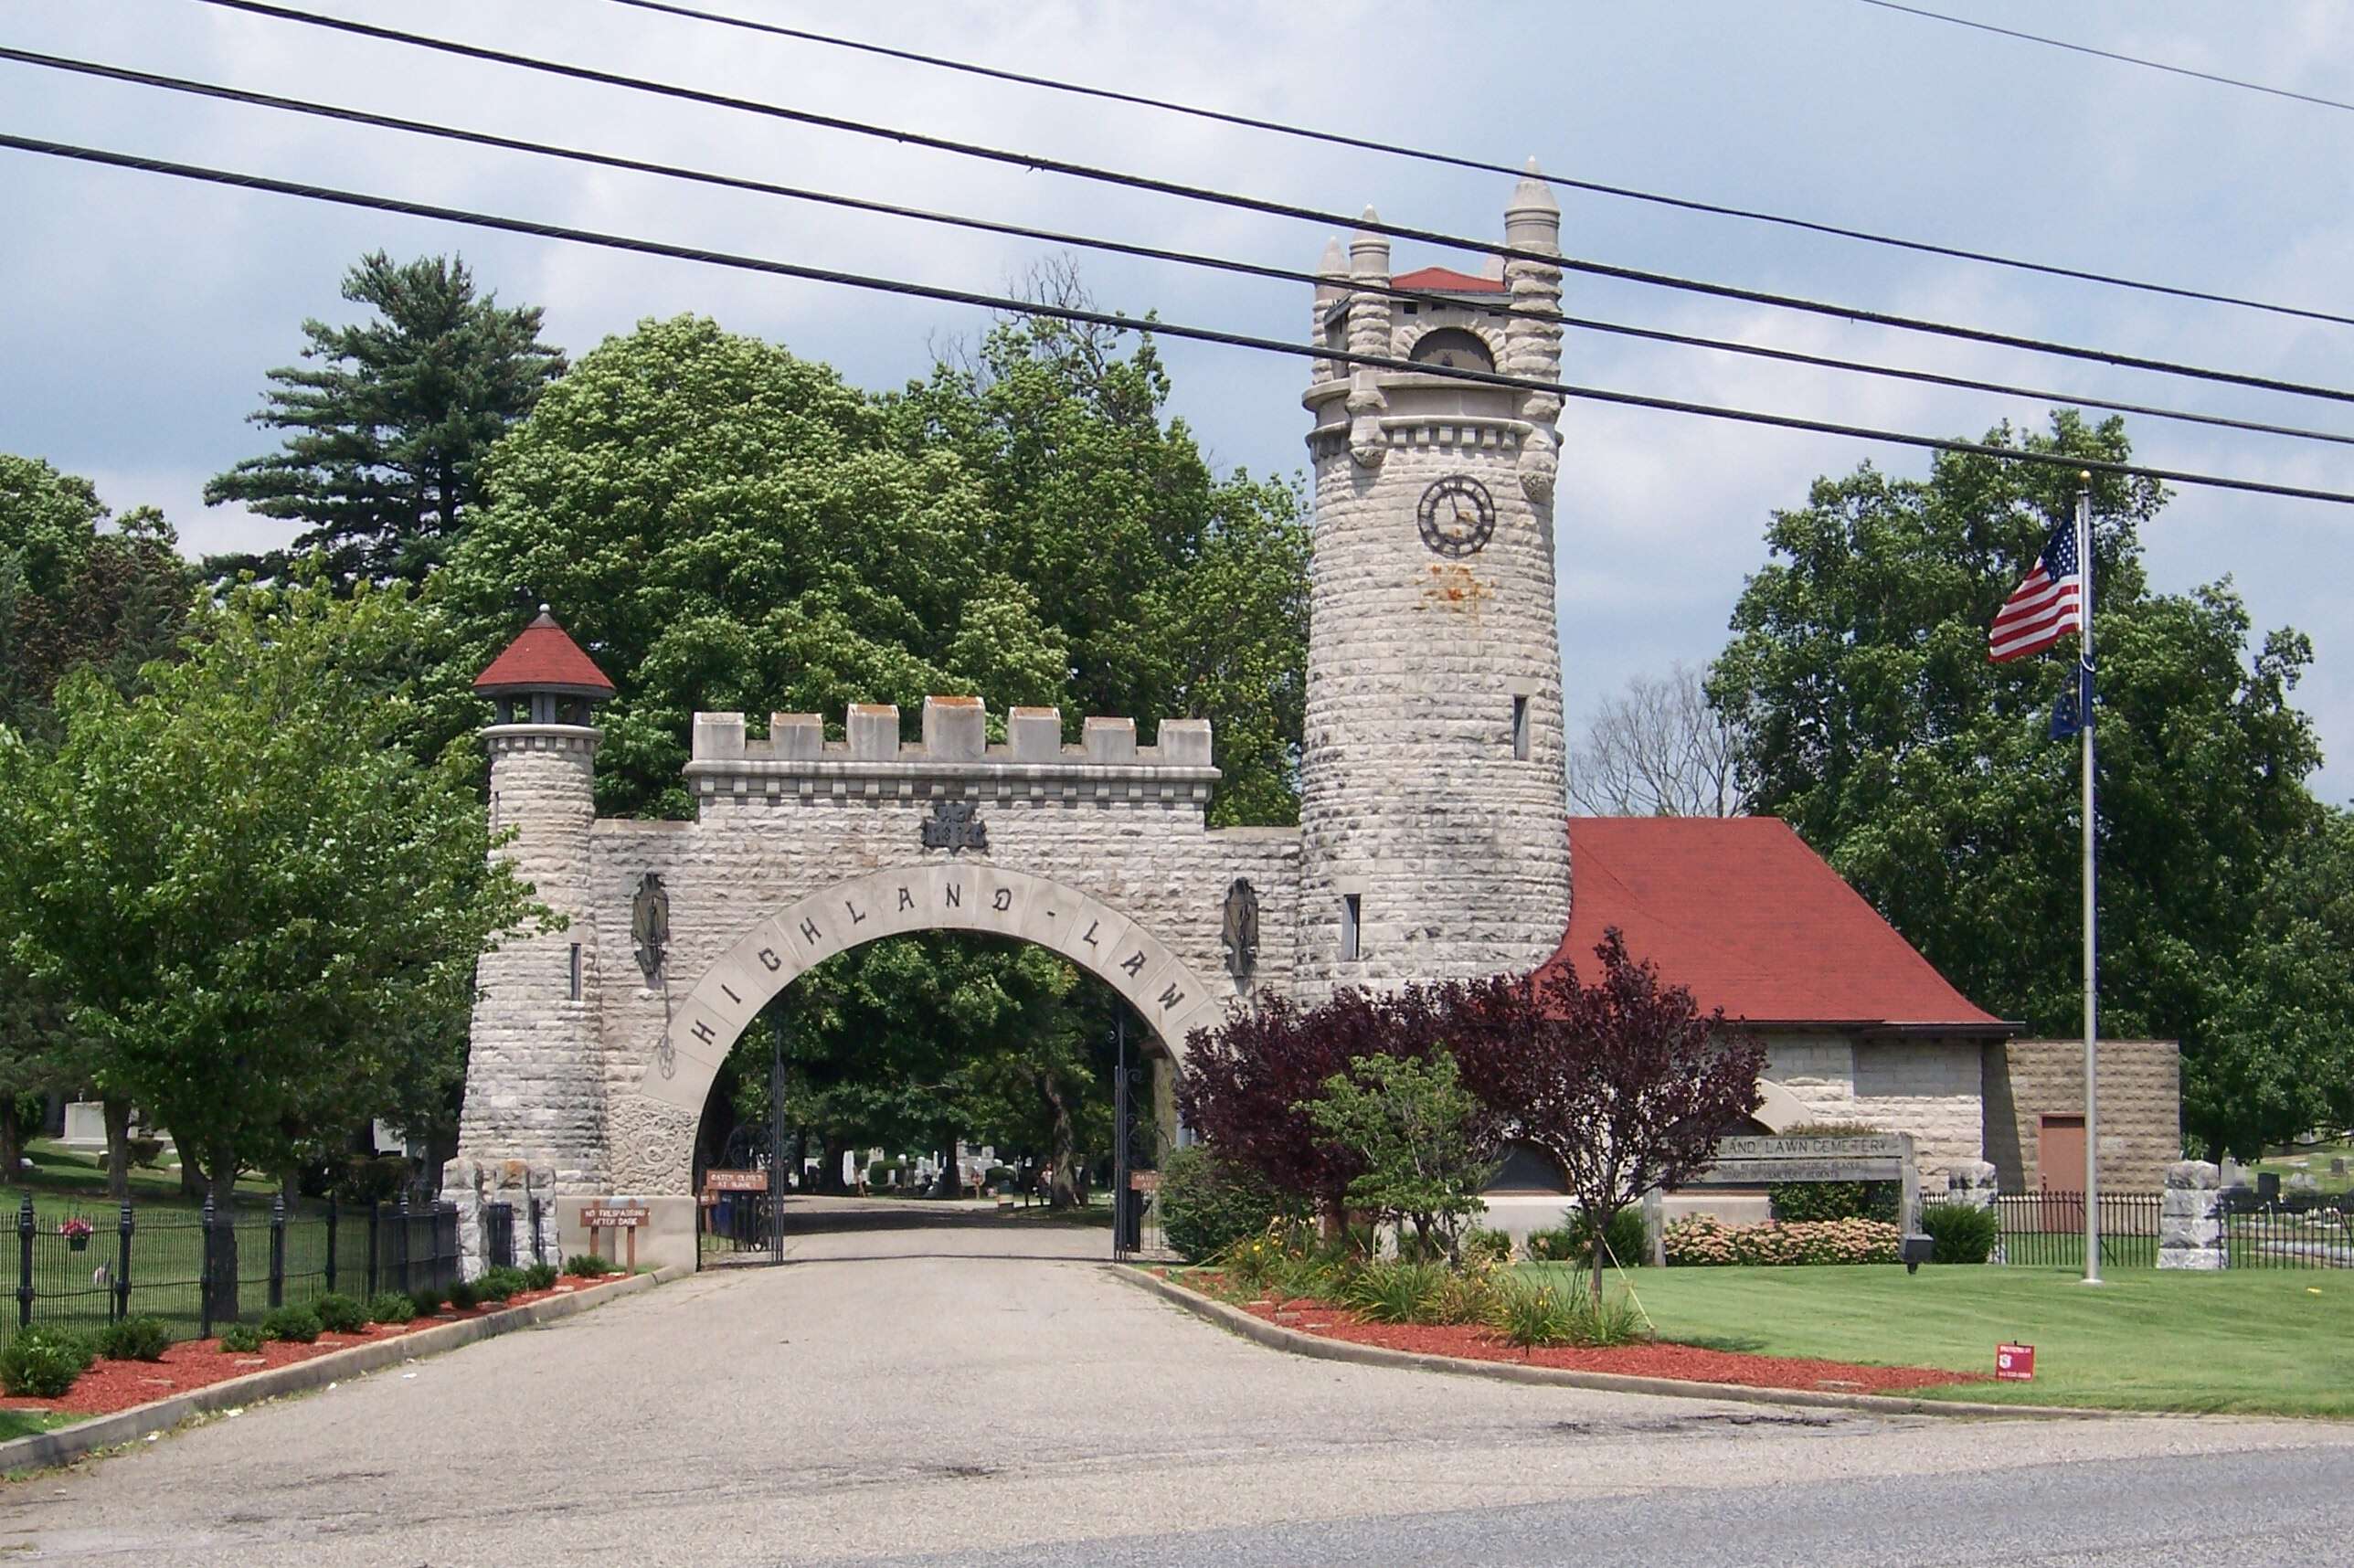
1624,1079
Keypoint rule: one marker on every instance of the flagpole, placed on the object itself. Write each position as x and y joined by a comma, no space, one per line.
2091,943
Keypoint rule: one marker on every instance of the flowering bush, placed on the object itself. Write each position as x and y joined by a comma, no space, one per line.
74,1229
1700,1239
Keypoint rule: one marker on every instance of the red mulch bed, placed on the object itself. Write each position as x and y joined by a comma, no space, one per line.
1691,1362
109,1385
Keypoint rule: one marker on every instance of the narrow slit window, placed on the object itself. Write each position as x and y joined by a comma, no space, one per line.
1520,729
1351,909
576,972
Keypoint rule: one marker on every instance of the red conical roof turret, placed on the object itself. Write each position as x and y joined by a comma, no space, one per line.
544,659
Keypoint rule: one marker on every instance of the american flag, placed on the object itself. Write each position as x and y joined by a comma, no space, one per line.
2045,607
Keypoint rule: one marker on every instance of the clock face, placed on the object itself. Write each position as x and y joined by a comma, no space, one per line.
1458,516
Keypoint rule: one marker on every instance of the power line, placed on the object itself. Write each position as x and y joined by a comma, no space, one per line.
641,165
1009,305
2099,53
1451,159
1274,208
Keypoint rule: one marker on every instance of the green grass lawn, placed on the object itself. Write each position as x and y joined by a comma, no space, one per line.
2271,1341
68,1180
2313,1162
25,1422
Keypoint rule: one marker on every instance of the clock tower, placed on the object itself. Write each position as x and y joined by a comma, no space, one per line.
1433,805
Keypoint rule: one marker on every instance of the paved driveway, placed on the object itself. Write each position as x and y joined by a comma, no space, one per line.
985,1393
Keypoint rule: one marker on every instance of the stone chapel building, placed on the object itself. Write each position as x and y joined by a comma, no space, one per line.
1432,842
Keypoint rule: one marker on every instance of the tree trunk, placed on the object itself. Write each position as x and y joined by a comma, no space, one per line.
117,1110
949,1183
1062,1146
192,1177
12,1146
828,1169
223,1193
1597,1260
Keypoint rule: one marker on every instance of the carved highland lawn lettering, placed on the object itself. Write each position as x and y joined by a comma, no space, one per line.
1431,844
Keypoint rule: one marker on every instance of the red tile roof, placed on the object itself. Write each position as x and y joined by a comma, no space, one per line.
1446,280
545,658
1743,913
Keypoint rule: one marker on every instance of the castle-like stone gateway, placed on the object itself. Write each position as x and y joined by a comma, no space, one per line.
1431,841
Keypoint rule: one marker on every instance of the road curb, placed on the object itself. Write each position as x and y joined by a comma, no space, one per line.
45,1449
1275,1336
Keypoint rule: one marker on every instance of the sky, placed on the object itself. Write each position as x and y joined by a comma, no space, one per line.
139,316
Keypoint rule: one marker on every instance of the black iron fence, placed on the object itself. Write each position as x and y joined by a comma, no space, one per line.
2048,1229
198,1268
2305,1230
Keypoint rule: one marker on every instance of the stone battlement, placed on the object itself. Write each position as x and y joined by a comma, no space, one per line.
955,757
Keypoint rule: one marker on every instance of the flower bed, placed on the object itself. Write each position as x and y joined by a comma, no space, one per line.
1700,1239
110,1386
1690,1363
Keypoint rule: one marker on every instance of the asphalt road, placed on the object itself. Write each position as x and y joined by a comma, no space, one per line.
983,1394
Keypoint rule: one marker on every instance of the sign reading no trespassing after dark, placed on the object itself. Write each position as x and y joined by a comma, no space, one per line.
613,1216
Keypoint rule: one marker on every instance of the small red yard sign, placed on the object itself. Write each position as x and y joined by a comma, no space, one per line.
2014,1363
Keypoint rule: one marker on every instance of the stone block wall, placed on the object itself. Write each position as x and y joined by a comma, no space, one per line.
2140,1108
1928,1087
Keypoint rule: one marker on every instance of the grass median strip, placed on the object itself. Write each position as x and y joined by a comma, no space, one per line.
2274,1341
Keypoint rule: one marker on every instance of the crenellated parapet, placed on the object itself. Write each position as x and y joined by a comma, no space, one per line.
955,759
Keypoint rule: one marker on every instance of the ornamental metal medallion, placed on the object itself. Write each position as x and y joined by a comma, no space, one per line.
1239,931
649,924
956,825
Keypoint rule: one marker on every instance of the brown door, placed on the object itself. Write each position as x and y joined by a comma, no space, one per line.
2060,1171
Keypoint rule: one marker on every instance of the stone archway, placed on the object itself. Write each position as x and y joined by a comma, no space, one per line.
652,1122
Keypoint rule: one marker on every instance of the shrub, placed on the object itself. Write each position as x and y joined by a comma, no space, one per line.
426,1301
81,1345
239,1339
498,1283
878,1173
135,1340
1701,1239
372,1179
142,1151
36,1366
463,1295
1394,1291
1486,1248
1962,1232
1534,1312
539,1276
297,1325
586,1266
1208,1204
340,1314
1628,1245
392,1306
1823,1201
1253,1262
1465,1296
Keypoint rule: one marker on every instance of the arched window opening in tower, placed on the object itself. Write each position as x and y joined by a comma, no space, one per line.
1455,348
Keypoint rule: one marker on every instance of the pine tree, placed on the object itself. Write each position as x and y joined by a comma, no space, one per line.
389,425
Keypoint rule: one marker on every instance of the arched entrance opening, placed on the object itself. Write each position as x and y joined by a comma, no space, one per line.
933,1077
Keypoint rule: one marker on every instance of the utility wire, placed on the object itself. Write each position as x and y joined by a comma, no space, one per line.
1451,159
1274,208
1289,275
1009,305
2101,53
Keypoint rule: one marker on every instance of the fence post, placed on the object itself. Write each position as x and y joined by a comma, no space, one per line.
122,1267
376,1251
207,1275
400,1241
25,1223
277,1251
331,1244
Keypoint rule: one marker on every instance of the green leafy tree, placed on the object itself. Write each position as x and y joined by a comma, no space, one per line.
1411,1125
387,427
262,912
75,594
1870,717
